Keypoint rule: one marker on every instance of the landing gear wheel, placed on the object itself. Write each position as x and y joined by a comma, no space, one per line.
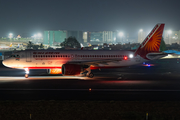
91,75
26,75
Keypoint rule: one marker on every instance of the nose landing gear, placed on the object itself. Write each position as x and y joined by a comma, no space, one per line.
87,72
27,72
91,75
26,75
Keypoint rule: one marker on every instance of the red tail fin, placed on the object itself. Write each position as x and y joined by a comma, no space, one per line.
152,42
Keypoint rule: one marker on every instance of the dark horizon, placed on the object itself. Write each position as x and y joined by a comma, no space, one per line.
87,15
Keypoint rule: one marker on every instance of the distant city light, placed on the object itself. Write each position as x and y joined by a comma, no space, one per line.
140,30
10,35
169,31
121,34
39,35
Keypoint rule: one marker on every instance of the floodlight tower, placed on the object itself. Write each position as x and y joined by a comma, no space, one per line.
169,36
121,34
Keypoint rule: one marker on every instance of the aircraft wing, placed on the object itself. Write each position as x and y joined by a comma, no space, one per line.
96,62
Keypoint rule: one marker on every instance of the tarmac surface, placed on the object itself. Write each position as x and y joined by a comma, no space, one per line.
160,82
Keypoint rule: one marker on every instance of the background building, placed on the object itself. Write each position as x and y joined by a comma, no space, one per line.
54,37
86,38
77,34
109,36
100,37
171,37
96,37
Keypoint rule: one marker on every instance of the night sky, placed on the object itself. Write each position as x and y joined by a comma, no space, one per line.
32,16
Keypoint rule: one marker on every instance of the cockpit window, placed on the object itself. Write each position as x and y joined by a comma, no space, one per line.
13,55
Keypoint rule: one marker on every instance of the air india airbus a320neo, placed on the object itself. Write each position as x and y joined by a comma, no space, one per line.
76,62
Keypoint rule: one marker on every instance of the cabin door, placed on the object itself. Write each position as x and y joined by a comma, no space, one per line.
28,56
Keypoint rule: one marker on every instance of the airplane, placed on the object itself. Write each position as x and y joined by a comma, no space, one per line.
77,62
6,47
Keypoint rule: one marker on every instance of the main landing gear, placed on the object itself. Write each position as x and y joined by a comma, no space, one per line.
89,73
27,72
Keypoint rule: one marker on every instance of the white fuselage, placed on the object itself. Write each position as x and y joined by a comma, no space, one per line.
48,59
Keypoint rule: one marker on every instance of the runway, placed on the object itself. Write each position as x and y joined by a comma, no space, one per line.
140,83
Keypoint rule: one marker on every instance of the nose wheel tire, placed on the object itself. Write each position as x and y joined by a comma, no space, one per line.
91,75
26,75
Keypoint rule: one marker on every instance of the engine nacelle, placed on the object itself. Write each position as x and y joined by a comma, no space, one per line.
71,69
54,71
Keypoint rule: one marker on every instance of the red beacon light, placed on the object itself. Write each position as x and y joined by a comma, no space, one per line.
125,58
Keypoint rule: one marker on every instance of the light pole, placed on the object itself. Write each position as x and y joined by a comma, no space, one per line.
140,36
10,35
39,37
169,33
121,34
35,38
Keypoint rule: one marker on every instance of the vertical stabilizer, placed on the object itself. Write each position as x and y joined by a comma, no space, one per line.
152,42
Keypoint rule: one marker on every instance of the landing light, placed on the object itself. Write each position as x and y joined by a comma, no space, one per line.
131,56
26,70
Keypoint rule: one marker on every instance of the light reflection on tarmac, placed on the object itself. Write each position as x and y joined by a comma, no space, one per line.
38,78
51,77
97,80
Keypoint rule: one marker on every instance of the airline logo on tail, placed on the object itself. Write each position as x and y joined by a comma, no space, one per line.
152,42
10,45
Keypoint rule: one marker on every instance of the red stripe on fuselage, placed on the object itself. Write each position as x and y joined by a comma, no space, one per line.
92,68
43,67
107,67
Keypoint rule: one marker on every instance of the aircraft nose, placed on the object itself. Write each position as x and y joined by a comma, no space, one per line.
4,63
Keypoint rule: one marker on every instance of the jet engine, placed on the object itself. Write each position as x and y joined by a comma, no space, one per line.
54,71
71,69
